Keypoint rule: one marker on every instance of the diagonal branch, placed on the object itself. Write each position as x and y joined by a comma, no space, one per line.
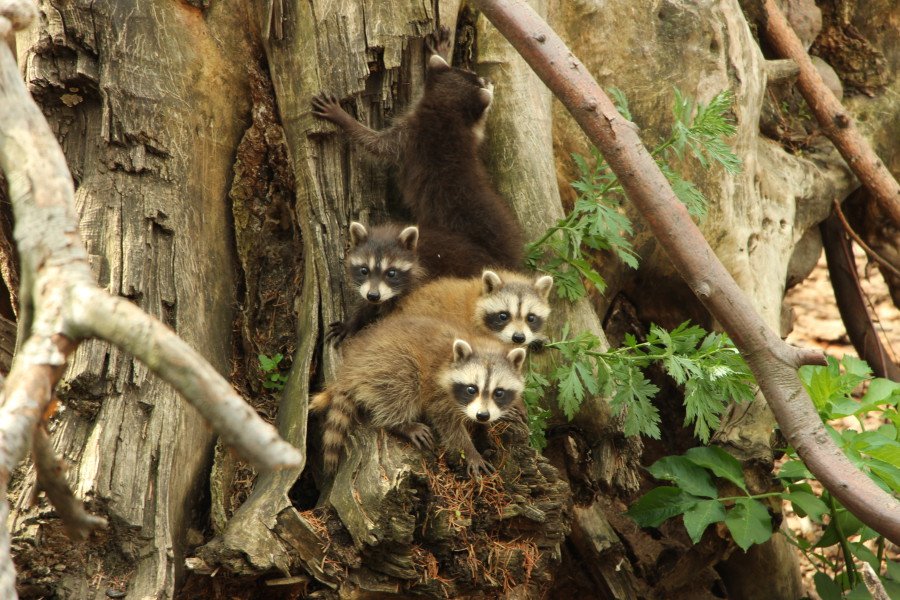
61,303
851,299
773,362
835,121
97,314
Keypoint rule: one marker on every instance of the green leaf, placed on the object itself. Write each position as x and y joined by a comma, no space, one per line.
826,587
881,391
571,391
749,523
266,363
806,504
633,396
719,462
863,553
849,525
685,474
701,516
660,504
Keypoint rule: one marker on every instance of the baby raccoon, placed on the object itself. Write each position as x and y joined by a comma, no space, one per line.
509,306
383,267
405,369
441,176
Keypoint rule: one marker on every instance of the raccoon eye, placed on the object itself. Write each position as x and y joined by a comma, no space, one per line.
392,273
504,316
471,390
530,318
363,271
498,393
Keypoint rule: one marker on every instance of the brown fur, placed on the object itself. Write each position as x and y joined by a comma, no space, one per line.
442,178
466,304
397,372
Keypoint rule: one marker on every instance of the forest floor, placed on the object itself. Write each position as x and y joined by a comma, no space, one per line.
817,323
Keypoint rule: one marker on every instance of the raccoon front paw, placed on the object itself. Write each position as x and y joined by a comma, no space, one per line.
537,345
476,466
326,106
336,333
419,434
439,42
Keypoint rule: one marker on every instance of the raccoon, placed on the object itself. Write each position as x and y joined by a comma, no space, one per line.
510,306
404,369
442,179
383,266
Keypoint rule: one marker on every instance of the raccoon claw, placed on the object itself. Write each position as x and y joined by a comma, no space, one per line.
336,333
419,434
327,107
476,466
439,42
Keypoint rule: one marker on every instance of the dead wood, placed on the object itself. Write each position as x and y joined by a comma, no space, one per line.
773,362
835,121
61,304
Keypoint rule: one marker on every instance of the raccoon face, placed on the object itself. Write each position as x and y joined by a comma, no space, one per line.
457,91
485,384
514,310
382,262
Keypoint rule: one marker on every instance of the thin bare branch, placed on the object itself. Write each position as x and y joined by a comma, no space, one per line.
873,584
116,320
862,244
648,189
52,481
835,121
850,298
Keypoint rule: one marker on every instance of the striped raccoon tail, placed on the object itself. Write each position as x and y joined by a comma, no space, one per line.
337,423
320,402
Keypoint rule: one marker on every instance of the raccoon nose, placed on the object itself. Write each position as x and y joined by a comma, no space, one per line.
374,296
518,337
483,416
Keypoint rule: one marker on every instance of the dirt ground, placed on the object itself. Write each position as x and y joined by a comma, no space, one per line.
817,323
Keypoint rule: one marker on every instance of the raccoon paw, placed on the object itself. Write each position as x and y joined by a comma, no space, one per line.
336,333
476,466
326,106
537,345
439,42
419,434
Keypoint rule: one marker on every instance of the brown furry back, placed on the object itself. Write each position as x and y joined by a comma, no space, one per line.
445,183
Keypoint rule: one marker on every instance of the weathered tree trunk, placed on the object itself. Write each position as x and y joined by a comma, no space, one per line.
134,94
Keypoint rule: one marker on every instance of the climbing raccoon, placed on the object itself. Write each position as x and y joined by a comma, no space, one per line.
465,224
405,369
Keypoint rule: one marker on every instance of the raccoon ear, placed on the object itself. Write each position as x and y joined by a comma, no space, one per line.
461,350
409,237
542,286
358,233
436,62
491,282
517,358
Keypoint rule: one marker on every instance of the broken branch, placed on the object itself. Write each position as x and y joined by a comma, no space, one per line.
835,121
649,191
118,321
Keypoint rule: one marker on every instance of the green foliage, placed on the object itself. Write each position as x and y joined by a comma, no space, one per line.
271,369
707,364
694,495
596,221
